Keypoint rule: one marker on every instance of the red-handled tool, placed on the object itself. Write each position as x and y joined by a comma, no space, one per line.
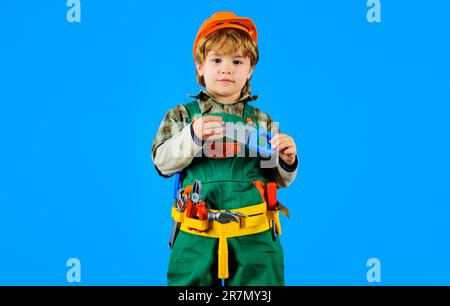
272,196
272,202
196,207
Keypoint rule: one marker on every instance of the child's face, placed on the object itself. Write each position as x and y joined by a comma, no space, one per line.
225,75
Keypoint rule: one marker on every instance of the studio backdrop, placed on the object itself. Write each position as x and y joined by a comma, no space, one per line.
362,86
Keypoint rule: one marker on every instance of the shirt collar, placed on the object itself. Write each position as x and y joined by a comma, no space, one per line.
207,99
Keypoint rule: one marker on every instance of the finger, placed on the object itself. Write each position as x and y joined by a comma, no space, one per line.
274,139
208,132
212,119
278,138
214,137
278,143
213,125
290,151
285,137
283,146
219,132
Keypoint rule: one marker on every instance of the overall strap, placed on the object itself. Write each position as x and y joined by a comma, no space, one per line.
193,109
249,113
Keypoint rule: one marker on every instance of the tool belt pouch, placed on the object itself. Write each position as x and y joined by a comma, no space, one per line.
201,225
274,215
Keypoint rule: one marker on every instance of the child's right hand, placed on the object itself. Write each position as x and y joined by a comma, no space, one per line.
208,127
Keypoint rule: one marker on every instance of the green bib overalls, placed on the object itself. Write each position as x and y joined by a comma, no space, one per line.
227,183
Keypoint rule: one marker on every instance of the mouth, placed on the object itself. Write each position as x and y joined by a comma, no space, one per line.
225,81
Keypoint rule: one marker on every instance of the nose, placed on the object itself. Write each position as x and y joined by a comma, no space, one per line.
225,68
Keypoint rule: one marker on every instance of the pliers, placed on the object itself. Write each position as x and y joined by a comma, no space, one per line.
196,207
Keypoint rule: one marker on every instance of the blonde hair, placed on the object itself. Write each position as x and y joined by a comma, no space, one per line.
227,40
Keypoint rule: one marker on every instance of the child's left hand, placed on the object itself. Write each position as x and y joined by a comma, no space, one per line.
285,146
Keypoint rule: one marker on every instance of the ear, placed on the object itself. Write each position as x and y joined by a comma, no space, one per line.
250,72
200,69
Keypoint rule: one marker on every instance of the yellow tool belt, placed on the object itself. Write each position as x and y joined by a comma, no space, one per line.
259,220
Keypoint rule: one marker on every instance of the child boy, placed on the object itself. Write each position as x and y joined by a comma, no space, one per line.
228,217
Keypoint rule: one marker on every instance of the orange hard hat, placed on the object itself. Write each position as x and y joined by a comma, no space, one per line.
222,20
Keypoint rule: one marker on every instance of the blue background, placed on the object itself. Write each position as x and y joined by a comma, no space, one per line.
367,103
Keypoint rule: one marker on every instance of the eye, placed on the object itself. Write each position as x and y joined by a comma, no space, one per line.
237,62
216,60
